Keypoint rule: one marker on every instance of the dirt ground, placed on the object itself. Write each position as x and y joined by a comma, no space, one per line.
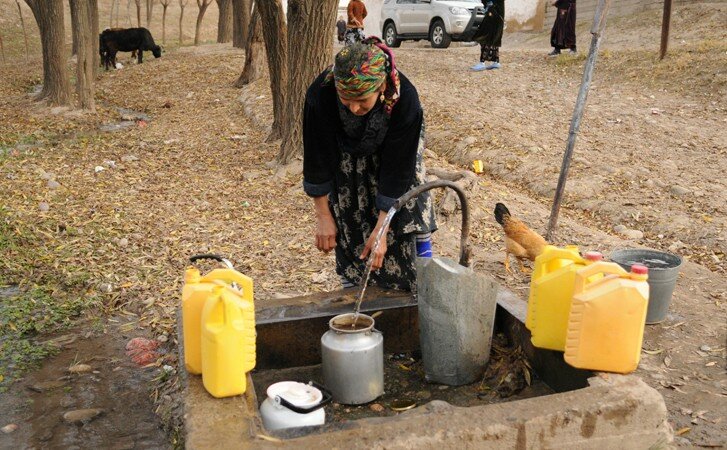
129,207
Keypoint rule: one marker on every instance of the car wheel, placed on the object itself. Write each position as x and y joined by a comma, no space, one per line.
391,39
438,36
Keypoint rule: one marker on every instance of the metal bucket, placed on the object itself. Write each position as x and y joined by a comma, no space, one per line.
663,273
353,359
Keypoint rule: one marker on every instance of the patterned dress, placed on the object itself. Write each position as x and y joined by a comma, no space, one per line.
489,34
363,164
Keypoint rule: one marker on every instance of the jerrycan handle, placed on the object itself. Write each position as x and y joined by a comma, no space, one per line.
218,258
552,252
606,268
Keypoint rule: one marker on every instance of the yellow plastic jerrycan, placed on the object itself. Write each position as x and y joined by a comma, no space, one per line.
607,317
195,293
551,291
228,342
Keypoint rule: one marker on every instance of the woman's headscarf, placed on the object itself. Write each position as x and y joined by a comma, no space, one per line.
361,68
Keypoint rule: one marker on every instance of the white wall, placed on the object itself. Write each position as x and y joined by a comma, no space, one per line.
372,24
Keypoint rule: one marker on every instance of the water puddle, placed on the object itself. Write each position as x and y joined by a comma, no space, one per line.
106,404
129,118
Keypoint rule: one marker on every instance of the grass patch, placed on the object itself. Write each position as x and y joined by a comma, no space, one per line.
29,315
26,316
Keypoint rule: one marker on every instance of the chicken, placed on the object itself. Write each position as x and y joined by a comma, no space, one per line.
520,240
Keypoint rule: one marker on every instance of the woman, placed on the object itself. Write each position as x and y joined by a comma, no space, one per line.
563,34
489,35
363,136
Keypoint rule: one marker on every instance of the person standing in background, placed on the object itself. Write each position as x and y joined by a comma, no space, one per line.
563,34
356,15
341,29
489,35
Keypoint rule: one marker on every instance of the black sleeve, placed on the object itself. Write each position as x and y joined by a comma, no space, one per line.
319,144
399,149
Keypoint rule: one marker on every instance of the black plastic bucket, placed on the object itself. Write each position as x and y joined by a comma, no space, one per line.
663,273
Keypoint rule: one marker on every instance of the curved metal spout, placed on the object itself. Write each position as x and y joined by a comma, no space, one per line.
464,252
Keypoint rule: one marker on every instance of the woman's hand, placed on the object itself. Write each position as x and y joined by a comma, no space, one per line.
378,256
326,233
325,225
380,252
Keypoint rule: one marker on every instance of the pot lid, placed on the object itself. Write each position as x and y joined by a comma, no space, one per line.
299,394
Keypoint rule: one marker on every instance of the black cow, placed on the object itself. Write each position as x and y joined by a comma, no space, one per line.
131,39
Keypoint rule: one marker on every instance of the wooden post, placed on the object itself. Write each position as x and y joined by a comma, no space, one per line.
599,24
2,49
665,23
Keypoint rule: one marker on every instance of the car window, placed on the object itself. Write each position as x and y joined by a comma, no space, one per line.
405,2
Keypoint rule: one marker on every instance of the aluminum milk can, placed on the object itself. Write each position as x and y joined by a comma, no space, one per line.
353,359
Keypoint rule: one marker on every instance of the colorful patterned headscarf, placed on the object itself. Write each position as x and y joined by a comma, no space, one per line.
362,68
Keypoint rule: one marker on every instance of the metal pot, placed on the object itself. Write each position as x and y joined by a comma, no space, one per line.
292,404
353,359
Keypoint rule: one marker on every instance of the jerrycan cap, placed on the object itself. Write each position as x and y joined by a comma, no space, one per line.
639,269
593,256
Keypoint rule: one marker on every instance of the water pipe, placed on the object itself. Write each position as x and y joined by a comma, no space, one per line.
465,253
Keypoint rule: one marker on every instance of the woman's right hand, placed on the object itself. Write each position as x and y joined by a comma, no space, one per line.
325,233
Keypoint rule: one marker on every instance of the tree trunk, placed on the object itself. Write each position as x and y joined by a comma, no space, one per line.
128,12
203,5
118,5
310,21
240,22
253,58
111,14
164,23
276,47
93,8
74,37
49,16
224,22
138,13
82,27
181,19
25,34
149,12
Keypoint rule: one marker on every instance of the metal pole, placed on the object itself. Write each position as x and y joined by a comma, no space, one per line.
665,23
599,24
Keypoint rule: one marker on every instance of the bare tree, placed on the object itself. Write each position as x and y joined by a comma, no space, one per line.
74,36
111,13
165,5
182,4
138,12
276,48
118,5
82,28
149,11
309,21
254,63
49,16
128,12
202,5
93,10
240,22
22,23
224,21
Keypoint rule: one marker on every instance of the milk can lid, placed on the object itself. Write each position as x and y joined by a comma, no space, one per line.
299,394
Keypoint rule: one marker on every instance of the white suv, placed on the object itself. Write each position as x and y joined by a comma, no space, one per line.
438,21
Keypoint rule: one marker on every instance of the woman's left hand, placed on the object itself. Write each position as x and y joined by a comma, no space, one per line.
378,255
